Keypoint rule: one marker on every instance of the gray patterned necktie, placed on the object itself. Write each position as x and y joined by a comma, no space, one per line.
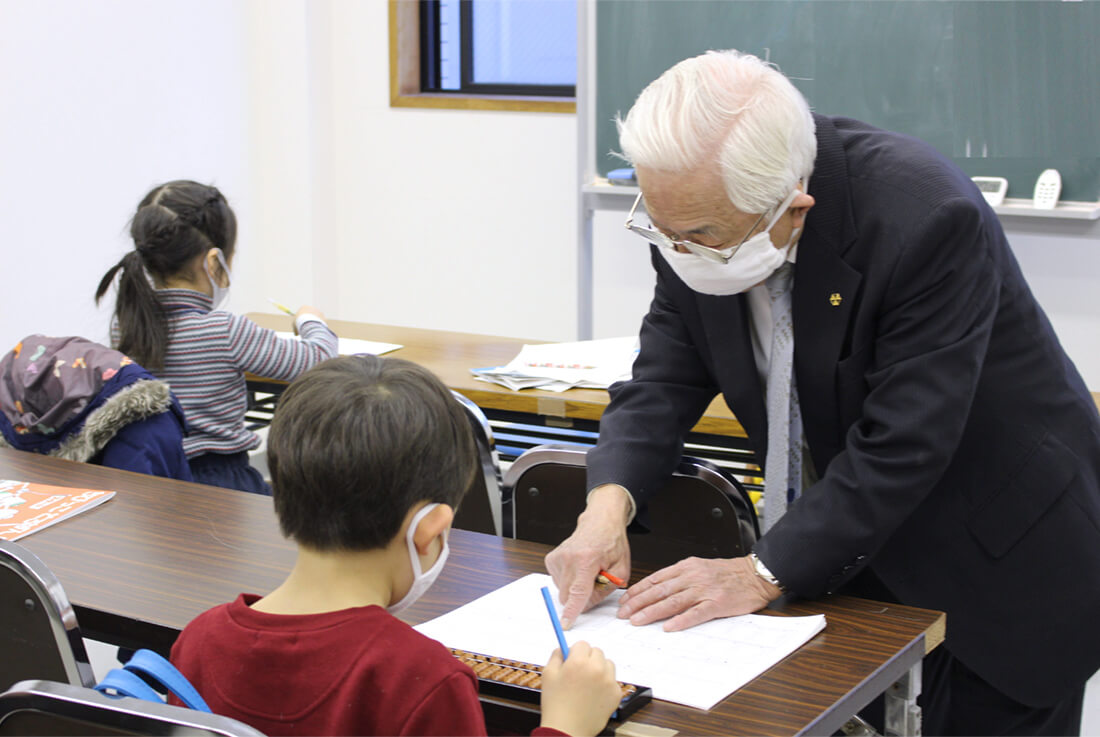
783,465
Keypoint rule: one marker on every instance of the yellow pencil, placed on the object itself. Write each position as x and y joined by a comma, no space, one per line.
282,307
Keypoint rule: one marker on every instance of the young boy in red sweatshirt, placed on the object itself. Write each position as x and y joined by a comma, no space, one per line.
369,458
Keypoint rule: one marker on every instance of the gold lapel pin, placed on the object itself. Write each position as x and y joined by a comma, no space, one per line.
834,299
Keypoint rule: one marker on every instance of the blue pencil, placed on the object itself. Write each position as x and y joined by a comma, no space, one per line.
554,621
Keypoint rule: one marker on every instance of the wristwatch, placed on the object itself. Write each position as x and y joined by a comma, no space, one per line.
762,571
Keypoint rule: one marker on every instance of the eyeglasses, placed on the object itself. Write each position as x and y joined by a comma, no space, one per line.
657,238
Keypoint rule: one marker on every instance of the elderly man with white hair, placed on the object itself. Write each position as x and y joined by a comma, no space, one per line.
924,437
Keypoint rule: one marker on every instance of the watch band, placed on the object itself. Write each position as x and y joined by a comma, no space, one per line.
762,571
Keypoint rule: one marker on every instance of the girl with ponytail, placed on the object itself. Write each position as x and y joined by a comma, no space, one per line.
167,318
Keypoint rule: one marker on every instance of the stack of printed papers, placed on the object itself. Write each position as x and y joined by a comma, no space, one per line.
586,364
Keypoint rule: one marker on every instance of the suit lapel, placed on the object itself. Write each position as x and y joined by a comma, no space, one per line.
726,322
825,292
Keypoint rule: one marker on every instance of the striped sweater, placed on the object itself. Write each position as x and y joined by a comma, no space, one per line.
207,357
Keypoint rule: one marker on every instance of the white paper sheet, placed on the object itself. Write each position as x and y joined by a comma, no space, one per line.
698,667
353,346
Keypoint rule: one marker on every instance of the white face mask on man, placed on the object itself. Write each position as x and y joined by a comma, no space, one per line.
422,580
751,263
220,293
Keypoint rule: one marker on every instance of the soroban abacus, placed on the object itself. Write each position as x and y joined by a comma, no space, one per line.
521,681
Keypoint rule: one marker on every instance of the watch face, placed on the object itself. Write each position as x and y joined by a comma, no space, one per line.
762,570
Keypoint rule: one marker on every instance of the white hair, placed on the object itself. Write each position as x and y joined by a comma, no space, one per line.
734,110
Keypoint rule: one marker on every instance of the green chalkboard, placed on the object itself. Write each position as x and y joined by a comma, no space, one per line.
1004,88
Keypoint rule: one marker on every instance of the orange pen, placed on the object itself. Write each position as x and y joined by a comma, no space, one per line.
606,577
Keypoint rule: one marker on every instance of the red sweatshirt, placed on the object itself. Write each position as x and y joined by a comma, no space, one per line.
356,671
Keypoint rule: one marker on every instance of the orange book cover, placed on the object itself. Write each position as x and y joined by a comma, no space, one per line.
26,507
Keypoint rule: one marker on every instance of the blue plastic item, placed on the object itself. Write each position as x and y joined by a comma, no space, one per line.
621,176
145,665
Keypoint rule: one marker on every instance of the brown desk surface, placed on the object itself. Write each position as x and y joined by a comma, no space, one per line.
139,567
451,356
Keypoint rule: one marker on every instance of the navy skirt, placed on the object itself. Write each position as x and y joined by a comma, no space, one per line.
228,470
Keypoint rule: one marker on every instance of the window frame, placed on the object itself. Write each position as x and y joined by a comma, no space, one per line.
406,82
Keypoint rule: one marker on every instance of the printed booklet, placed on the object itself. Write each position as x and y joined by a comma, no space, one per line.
26,507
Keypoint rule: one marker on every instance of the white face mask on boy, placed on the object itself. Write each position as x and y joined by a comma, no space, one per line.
753,261
221,294
422,580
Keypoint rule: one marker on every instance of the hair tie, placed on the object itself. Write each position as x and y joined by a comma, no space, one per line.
133,260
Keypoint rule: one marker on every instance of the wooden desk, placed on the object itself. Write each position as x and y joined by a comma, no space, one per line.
141,566
451,356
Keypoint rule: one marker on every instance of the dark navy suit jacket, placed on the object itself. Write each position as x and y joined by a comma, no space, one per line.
957,447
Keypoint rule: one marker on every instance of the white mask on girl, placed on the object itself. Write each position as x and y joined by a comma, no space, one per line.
422,580
221,294
753,262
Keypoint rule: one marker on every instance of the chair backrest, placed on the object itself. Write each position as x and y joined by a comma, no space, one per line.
480,510
701,511
39,636
52,708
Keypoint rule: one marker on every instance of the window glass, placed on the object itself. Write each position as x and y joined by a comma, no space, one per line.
450,46
526,47
525,42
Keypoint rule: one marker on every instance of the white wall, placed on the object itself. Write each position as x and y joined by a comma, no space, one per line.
457,220
1061,260
100,102
276,260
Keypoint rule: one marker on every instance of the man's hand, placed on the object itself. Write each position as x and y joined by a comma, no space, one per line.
598,542
697,590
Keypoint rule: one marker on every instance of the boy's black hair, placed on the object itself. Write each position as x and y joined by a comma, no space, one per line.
356,442
174,223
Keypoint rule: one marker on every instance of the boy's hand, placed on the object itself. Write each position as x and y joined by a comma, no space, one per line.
579,694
